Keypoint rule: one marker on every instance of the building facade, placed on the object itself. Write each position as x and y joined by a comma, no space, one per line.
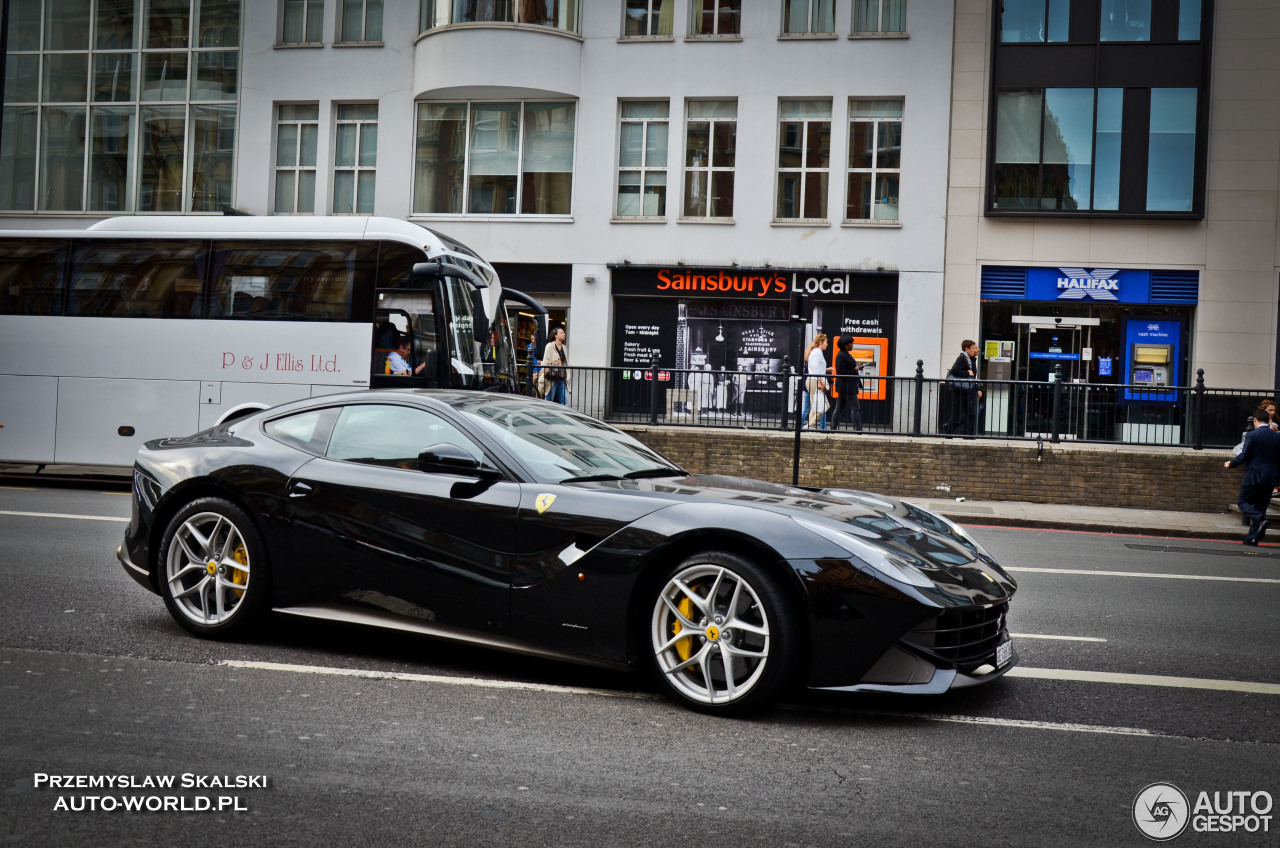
663,174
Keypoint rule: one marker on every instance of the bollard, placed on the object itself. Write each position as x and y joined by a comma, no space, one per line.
1055,434
916,428
653,390
1199,411
786,391
795,453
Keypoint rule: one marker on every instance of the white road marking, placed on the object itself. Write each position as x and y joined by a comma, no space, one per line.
65,515
1033,725
1146,680
1057,638
1143,574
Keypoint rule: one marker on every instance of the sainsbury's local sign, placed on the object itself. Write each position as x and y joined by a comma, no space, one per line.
755,283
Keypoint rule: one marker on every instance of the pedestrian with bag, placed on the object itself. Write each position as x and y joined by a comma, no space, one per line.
815,383
963,381
1261,460
555,376
848,382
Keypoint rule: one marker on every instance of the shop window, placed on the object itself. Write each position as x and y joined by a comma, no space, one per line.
297,135
494,158
642,159
711,137
804,160
355,159
1125,20
360,21
875,160
879,17
715,18
1023,21
808,17
647,18
301,22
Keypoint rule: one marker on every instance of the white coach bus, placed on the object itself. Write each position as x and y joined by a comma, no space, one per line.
149,326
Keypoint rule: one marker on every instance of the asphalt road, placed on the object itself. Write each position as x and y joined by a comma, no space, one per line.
441,745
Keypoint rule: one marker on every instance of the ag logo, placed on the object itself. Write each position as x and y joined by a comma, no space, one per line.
1160,811
544,502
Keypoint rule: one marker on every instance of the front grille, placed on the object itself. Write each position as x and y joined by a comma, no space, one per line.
963,638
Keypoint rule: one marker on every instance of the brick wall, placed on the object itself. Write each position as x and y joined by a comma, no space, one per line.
1100,475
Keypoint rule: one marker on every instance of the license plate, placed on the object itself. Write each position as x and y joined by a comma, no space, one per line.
1004,653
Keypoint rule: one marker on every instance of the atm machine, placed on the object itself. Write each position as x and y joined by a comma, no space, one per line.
1152,357
1152,365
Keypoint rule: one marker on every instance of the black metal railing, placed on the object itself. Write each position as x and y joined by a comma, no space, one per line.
1053,411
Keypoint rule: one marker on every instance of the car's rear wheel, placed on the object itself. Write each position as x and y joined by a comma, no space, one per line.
214,575
724,637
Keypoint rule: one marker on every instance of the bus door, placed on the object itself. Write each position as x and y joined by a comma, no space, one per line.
401,312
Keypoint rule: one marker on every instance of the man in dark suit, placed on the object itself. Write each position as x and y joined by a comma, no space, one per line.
1261,460
964,391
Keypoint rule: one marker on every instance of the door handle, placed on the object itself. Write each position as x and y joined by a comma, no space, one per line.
298,489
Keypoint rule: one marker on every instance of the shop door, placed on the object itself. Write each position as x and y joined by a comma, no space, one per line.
1043,347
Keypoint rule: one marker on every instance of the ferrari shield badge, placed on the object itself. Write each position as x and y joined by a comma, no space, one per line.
544,502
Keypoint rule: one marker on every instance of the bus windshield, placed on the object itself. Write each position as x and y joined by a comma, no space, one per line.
464,349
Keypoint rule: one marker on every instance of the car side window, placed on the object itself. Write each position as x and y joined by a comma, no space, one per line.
307,430
382,434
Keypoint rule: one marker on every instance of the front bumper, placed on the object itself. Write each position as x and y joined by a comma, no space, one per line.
134,570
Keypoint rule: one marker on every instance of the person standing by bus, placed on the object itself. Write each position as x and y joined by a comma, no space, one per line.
554,359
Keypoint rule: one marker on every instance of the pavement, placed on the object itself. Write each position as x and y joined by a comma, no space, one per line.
1100,519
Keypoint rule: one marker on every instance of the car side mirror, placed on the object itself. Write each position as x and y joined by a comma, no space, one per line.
445,458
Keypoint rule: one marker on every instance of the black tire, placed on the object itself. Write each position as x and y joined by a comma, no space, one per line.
736,660
213,570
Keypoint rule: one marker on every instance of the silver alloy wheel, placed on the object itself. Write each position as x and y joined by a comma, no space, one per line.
710,634
207,568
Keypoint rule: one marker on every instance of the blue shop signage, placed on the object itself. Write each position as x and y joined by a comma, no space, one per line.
1152,359
1084,285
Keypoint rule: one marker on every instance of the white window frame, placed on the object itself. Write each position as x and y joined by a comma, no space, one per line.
715,35
879,31
804,170
306,16
708,170
355,169
644,169
653,11
875,170
341,37
809,31
297,168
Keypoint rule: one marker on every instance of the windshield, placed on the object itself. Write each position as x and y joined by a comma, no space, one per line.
464,349
559,445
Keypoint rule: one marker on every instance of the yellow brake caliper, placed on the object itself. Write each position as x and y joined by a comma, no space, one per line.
685,646
240,577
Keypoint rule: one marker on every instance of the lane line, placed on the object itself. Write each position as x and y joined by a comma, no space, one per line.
1034,725
64,515
1143,574
1146,680
1057,638
18,488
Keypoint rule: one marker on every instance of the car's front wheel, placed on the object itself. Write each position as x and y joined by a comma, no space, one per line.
213,569
724,637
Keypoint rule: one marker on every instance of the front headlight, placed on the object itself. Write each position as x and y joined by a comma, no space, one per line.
885,563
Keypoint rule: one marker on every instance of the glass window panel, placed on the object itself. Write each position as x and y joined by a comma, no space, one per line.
212,157
648,17
655,155
311,281
299,112
18,158
1018,126
1022,21
893,15
859,197
368,145
285,192
1059,20
495,138
287,145
805,110
219,23
114,77
66,77
655,193
62,150
886,205
862,147
548,157
136,279
1171,158
432,14
645,109
309,143
629,183
631,145
699,141
66,24
344,192
724,145
164,76
1106,175
546,193
440,158
31,276
24,25
364,192
789,184
358,112
1067,150
1189,20
889,144
790,137
875,109
1126,20
307,191
373,20
293,28
345,146
22,79
818,145
352,20
492,194
166,24
216,75
110,141
162,135
720,203
315,21
115,23
707,110
815,195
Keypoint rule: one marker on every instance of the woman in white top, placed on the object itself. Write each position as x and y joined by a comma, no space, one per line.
816,379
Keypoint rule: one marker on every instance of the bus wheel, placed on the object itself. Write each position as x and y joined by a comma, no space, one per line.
215,579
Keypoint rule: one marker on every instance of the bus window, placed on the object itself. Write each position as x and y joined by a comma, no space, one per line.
288,282
411,314
124,278
31,276
395,265
464,348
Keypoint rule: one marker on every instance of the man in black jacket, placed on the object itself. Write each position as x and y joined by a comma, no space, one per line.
848,384
964,390
1261,460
